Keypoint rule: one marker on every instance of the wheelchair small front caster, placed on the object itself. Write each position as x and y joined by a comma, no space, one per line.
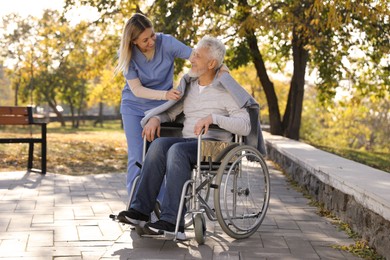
200,228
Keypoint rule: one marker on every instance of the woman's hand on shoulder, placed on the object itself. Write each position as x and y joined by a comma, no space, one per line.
173,94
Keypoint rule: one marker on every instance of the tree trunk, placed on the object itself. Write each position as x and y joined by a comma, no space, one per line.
268,86
16,93
80,108
293,113
100,116
72,113
53,106
257,59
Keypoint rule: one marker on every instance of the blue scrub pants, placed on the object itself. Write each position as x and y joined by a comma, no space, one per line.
133,132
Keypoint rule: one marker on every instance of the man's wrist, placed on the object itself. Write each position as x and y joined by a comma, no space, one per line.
156,117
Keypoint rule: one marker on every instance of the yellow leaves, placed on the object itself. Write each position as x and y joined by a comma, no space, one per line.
106,89
315,22
318,5
127,8
333,19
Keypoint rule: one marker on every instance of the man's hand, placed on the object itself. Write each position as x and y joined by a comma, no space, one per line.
203,123
151,128
173,94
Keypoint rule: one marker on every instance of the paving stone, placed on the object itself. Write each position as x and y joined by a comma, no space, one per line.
66,217
20,222
300,246
309,225
90,233
7,206
222,254
285,224
44,202
66,233
92,255
101,208
41,239
273,241
110,230
63,200
82,212
4,222
25,205
61,213
78,199
43,218
328,253
265,253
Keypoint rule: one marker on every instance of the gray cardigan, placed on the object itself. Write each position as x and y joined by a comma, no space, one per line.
239,94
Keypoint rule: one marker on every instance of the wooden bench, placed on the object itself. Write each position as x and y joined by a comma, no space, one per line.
24,116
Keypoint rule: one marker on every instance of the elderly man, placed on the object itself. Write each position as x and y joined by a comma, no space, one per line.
206,101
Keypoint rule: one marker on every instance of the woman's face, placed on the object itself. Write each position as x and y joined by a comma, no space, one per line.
146,40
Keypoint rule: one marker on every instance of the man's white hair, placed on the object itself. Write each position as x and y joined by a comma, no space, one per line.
216,47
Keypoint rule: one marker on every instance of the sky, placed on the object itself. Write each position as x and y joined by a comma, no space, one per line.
28,7
36,8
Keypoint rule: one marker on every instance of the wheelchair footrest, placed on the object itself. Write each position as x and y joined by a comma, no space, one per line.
165,236
161,237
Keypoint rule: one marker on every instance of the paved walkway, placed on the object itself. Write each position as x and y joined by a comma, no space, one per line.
66,217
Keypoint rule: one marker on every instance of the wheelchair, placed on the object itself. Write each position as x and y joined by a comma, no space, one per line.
230,184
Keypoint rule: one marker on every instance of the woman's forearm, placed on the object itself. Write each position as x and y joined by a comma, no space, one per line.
142,92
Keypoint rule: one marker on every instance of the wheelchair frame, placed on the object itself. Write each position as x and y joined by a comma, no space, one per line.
214,175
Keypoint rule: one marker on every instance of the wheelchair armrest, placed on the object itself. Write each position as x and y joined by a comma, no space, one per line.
180,125
216,127
236,138
172,125
171,129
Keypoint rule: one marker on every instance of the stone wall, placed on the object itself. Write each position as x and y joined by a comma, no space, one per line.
371,226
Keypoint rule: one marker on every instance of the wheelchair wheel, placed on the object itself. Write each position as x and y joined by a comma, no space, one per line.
225,151
242,197
199,228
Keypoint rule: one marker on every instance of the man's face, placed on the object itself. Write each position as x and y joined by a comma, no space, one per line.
200,61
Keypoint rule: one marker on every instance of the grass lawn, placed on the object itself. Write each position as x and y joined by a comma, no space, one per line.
88,150
93,150
376,160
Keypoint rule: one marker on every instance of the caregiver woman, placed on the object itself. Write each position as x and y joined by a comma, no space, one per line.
146,60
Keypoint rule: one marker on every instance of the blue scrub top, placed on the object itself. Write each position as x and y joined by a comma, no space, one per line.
156,73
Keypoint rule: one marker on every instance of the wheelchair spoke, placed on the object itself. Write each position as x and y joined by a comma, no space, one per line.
243,193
